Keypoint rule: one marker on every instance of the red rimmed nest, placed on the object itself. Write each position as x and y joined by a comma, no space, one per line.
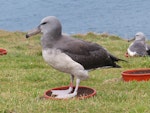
3,51
136,74
83,92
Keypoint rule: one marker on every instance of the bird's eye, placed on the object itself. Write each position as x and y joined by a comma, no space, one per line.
43,23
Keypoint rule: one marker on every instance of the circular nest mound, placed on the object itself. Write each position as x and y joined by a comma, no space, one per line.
3,51
136,74
83,92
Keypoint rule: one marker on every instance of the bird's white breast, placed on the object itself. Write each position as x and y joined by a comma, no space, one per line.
131,53
60,61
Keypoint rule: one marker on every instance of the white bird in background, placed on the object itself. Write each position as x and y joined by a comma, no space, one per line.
70,55
139,46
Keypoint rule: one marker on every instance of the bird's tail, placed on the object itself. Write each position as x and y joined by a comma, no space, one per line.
115,59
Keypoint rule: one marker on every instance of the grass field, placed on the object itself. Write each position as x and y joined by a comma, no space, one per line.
24,77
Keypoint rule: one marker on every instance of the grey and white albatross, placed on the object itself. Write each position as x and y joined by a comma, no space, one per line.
139,46
70,55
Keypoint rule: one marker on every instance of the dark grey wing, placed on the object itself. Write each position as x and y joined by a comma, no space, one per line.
139,48
90,55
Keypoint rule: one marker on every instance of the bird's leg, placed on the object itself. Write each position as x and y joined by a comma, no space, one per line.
67,91
67,96
76,88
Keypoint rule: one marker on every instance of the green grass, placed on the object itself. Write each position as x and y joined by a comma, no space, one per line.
24,77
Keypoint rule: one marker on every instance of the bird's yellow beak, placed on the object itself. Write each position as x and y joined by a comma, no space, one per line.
132,39
33,32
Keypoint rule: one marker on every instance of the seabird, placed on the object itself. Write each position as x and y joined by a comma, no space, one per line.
70,55
139,46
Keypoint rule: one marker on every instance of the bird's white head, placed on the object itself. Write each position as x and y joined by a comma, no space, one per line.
49,25
140,36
